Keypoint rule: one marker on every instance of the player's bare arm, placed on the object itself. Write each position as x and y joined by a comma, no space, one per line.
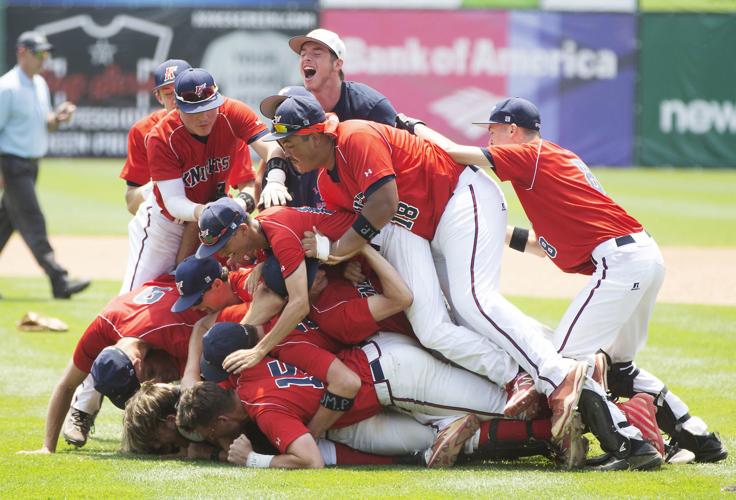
135,195
302,453
189,241
191,371
465,155
396,296
343,385
61,399
266,304
296,309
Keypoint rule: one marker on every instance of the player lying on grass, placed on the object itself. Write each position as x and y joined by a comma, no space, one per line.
281,398
584,231
134,338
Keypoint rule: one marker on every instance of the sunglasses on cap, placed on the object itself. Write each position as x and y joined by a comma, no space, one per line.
199,94
283,128
211,239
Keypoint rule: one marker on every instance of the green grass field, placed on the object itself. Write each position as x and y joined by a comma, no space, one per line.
691,347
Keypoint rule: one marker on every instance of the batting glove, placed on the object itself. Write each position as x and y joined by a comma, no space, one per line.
404,122
275,192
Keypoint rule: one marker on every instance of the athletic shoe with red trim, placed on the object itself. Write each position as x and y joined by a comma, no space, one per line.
564,400
450,441
524,401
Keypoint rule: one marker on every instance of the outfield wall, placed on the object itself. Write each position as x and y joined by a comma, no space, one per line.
620,86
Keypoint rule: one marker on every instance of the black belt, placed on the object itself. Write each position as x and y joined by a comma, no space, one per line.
377,371
624,240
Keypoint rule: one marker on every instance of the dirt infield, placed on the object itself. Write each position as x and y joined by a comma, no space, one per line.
694,275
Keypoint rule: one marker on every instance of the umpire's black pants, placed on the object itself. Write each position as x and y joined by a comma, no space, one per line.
19,210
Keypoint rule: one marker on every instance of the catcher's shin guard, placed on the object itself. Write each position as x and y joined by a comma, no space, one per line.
665,416
621,379
597,417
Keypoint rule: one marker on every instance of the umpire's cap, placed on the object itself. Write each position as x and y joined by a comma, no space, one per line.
196,91
274,280
219,341
328,38
514,110
166,72
115,376
270,103
294,114
218,222
193,278
33,40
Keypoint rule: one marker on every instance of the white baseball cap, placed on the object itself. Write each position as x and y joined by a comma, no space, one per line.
328,38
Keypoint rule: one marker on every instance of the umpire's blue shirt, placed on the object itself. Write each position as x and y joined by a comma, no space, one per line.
24,107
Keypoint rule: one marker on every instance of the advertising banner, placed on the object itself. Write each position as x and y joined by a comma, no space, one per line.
688,109
578,68
103,60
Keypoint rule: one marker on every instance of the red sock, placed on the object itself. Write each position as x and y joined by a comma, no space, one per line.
514,430
348,456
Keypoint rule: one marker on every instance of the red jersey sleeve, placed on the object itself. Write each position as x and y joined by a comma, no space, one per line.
162,160
135,169
306,356
91,343
233,314
280,428
515,162
243,121
368,156
349,322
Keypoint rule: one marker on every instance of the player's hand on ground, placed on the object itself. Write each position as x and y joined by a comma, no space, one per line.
353,272
274,194
242,359
40,451
239,450
251,282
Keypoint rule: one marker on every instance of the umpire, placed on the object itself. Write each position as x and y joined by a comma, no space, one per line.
25,120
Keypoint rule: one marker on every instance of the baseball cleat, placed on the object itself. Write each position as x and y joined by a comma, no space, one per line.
643,456
450,441
676,455
564,399
65,288
571,451
524,401
77,427
707,448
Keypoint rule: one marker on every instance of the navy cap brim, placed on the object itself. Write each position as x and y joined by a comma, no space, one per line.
199,107
205,251
120,399
185,302
270,103
275,136
210,372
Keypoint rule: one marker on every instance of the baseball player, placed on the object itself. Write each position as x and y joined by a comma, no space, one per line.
321,57
584,231
440,211
133,339
191,153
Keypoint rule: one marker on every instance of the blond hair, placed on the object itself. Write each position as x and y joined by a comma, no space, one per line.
144,413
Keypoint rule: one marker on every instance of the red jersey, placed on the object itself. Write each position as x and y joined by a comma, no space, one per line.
284,229
136,169
342,311
282,399
204,167
568,209
144,313
366,152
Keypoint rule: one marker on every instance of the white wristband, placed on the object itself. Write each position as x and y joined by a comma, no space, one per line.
258,461
276,175
323,247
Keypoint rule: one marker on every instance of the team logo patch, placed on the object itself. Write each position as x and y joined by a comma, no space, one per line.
180,287
199,89
170,73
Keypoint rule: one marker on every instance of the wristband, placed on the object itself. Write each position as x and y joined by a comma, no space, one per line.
323,246
276,163
250,202
258,461
519,238
364,228
276,175
336,403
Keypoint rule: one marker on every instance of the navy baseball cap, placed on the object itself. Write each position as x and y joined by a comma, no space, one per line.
514,110
294,114
166,72
115,376
33,40
270,103
218,222
219,341
193,278
274,279
196,91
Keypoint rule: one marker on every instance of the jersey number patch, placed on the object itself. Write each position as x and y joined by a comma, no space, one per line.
589,177
285,376
551,251
151,295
